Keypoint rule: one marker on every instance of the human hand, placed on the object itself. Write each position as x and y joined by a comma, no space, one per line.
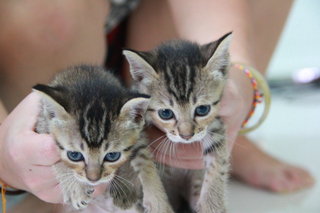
27,157
235,105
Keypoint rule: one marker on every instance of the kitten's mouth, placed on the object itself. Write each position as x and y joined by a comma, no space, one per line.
95,183
195,138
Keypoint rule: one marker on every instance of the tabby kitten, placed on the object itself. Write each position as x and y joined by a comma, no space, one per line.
97,125
186,81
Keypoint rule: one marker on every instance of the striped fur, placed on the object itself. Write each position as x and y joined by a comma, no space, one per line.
181,76
88,111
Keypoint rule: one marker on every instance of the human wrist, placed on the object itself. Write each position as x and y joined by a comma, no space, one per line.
244,88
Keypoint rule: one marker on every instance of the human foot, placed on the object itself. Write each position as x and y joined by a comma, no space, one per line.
257,168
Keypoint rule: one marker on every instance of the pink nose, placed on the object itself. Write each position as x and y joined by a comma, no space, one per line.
186,137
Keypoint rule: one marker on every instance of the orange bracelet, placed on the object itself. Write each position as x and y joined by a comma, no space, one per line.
5,192
3,196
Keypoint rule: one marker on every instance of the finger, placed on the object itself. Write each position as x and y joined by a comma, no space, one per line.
51,195
39,149
36,178
100,189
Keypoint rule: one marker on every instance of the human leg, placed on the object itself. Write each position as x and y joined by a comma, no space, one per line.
249,162
153,22
39,38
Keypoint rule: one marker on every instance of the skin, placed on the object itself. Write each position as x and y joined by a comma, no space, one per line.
58,38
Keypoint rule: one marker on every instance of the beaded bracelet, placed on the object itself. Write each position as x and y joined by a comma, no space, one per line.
261,92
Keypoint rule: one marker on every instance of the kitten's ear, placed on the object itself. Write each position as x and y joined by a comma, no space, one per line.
217,55
140,69
135,109
54,99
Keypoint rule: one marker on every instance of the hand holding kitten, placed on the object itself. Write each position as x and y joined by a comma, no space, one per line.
27,157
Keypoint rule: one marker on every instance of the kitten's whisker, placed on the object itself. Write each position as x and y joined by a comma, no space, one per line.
124,181
157,139
122,178
164,156
170,149
167,149
65,175
114,188
119,187
174,149
158,146
218,138
163,152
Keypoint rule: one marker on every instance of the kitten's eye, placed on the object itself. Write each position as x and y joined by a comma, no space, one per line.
112,156
202,110
75,156
165,114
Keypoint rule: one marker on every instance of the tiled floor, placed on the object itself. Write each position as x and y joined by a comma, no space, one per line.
291,133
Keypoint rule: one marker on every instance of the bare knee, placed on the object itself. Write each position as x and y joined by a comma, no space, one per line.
44,27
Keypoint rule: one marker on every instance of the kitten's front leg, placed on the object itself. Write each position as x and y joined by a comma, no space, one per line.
124,188
195,186
74,192
155,199
212,196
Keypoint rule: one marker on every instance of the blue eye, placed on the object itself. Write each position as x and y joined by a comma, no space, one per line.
112,156
75,156
202,110
165,114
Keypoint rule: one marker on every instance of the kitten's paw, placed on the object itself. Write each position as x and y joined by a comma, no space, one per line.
80,197
123,196
167,209
124,202
156,207
209,209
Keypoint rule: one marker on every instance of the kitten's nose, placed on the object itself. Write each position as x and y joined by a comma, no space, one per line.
93,177
186,137
93,171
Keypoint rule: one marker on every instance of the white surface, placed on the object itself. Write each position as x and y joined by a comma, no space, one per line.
291,133
292,130
300,42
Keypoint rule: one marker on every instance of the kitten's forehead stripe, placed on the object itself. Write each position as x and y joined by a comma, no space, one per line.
59,145
95,97
95,123
179,62
171,102
106,147
82,147
182,85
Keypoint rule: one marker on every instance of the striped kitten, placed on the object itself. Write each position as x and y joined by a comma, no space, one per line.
97,125
186,82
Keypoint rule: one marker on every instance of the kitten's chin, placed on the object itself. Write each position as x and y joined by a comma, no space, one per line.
95,183
196,138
